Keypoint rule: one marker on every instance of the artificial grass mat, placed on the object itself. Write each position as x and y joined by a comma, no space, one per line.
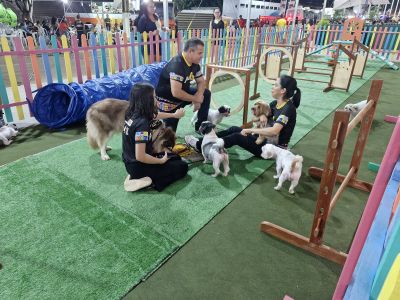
70,230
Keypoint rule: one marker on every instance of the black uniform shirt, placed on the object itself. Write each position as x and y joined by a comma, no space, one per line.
286,116
180,70
136,131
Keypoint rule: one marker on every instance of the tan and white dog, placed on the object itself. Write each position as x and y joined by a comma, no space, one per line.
260,108
288,165
103,119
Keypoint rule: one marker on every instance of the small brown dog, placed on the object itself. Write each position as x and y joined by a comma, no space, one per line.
163,138
260,108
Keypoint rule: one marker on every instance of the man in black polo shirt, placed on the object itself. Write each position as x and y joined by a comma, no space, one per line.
173,90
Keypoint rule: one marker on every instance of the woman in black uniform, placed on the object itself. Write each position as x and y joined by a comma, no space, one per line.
282,121
143,168
149,22
217,22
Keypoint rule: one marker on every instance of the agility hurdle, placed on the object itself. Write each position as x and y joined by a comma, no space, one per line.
214,71
341,128
272,63
341,74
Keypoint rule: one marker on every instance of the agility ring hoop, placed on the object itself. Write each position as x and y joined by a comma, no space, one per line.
265,52
241,83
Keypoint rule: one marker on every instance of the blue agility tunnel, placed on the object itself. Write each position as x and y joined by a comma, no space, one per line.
57,105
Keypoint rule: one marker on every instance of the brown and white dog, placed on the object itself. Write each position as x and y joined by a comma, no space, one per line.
103,119
260,108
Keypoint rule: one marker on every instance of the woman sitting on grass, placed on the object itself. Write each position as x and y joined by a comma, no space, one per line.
282,121
144,169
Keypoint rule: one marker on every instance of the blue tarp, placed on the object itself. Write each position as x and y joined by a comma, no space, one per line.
57,105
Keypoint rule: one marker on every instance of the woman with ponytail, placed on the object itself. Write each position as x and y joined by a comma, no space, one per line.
282,120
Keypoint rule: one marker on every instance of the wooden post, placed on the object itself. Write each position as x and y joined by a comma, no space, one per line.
255,93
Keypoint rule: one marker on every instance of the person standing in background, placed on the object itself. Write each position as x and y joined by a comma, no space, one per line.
149,22
80,29
107,21
217,22
241,22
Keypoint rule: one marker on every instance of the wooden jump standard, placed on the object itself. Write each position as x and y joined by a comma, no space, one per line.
329,176
246,82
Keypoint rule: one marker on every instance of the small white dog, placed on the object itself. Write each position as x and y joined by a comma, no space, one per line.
212,148
7,132
288,165
354,109
215,116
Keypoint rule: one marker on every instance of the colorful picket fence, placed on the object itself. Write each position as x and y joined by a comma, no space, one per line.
29,64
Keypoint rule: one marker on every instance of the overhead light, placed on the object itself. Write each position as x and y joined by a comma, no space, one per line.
65,1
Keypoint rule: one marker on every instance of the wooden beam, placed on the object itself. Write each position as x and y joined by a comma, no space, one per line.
303,242
357,184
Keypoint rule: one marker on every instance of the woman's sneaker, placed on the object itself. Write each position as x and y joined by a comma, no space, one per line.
191,141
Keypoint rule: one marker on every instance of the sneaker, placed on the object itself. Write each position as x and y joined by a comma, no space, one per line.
132,185
191,141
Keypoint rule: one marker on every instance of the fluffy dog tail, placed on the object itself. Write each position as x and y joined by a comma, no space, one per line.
91,129
296,162
220,144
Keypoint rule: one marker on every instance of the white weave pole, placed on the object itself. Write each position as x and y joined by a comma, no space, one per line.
166,17
395,10
248,15
294,17
391,7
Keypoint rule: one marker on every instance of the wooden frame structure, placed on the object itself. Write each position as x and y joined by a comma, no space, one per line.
361,52
275,68
342,71
241,71
339,77
326,201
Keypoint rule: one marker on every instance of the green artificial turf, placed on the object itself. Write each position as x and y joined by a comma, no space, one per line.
69,230
231,259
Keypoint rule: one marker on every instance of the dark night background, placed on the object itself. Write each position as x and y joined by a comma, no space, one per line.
316,3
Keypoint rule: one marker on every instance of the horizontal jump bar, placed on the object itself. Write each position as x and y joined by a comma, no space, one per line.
312,80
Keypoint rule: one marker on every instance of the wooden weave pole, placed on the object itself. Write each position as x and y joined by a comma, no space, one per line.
329,176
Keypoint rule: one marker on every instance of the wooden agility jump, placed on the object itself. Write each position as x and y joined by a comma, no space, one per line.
326,201
339,77
214,71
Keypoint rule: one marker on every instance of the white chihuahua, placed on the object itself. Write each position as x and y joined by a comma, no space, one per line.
288,165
